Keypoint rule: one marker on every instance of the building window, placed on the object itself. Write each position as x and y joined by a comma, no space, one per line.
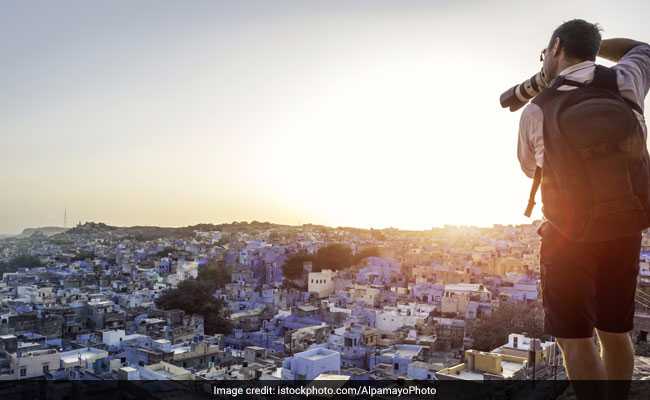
23,371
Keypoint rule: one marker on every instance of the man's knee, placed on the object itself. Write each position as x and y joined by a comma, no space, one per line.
576,349
614,340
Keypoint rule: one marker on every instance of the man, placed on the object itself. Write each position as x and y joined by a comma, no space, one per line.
587,286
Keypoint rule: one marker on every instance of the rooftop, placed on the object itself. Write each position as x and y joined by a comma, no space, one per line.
464,287
331,377
402,351
317,354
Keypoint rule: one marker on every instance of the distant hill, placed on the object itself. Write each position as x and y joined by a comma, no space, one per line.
46,230
99,229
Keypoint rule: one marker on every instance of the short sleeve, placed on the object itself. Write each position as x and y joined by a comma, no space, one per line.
634,74
530,146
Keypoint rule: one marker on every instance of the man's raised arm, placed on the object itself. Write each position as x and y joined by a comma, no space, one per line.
614,49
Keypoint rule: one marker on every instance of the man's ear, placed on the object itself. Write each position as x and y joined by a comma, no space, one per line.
556,47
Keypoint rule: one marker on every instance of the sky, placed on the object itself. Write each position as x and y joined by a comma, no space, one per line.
345,113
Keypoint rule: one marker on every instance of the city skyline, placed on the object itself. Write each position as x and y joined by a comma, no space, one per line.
367,113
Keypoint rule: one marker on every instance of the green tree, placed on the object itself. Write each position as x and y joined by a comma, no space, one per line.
196,296
293,266
18,262
491,332
335,256
216,273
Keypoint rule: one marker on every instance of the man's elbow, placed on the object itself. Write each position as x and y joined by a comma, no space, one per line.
528,171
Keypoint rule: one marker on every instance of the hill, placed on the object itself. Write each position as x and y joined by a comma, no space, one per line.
145,233
46,230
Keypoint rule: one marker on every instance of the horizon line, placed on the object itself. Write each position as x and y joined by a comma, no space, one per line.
446,225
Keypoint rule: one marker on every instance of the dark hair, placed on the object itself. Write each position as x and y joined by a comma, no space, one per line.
579,39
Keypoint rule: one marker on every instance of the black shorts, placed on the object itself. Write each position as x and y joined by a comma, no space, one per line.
587,285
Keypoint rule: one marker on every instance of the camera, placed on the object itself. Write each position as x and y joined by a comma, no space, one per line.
518,95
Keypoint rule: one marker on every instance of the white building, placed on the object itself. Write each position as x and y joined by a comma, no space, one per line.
420,370
163,371
36,295
83,358
365,294
518,292
189,269
321,283
113,338
457,297
392,318
510,361
311,363
399,356
517,341
31,364
128,374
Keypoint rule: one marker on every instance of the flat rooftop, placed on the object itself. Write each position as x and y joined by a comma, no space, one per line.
402,351
463,287
318,354
332,377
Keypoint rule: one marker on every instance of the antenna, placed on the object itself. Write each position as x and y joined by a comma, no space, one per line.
65,218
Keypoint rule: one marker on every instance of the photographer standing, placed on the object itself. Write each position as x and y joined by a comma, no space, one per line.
584,139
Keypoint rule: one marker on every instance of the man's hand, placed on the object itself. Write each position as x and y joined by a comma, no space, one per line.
615,49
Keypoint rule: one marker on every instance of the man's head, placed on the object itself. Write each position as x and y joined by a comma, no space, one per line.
572,42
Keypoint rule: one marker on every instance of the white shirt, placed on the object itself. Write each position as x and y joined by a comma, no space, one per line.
632,76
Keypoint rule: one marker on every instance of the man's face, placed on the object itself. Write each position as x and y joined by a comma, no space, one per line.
551,58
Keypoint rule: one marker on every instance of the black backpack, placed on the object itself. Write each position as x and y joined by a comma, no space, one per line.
595,178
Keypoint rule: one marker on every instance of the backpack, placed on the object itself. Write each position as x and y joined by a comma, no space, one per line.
596,171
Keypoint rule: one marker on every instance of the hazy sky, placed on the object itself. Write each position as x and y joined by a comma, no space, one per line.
359,113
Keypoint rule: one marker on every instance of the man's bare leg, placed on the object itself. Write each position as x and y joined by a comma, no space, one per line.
581,359
617,353
582,362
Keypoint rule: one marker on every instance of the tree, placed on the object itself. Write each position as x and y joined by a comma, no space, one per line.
491,332
293,266
18,262
364,253
215,272
83,255
165,252
335,256
196,296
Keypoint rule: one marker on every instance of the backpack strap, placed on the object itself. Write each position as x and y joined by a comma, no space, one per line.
537,180
562,80
605,78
